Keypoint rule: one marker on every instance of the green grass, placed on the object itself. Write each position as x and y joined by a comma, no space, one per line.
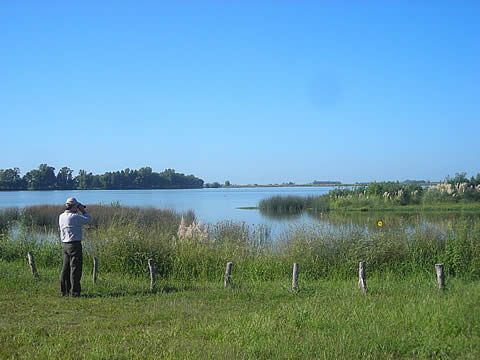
191,315
281,205
297,204
399,318
362,207
458,194
124,245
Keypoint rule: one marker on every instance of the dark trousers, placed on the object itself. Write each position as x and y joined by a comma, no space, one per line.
72,268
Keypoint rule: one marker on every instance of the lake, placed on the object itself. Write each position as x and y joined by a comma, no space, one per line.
215,205
209,205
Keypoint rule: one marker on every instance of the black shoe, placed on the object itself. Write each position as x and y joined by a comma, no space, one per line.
75,294
65,294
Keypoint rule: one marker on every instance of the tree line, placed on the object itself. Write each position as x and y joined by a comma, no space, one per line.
45,178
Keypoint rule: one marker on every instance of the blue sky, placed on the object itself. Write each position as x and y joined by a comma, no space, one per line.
247,91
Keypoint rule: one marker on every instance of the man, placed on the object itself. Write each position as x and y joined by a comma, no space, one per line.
70,223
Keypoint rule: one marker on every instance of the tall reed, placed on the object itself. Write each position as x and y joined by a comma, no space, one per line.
293,204
123,239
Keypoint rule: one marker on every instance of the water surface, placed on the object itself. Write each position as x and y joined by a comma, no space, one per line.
209,205
215,205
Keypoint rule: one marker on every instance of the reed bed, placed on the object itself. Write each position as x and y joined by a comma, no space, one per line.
293,204
102,215
454,194
123,239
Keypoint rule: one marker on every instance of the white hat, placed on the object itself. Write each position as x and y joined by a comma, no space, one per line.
71,202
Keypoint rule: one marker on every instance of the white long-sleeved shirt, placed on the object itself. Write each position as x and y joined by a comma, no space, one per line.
71,226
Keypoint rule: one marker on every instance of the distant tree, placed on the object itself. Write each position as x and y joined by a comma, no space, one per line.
316,182
42,178
144,178
227,183
64,179
408,181
10,179
96,182
83,180
107,180
168,175
159,181
475,180
459,178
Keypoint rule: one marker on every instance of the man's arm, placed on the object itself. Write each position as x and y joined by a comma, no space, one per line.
84,218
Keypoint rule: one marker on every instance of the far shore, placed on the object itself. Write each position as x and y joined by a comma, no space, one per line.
313,185
221,187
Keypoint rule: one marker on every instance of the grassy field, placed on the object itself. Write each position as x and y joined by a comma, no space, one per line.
192,316
118,318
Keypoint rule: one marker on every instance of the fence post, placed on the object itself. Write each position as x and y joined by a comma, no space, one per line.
440,276
295,277
152,274
95,269
362,278
31,262
228,274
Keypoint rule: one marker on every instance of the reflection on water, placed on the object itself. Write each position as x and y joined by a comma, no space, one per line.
34,235
389,218
281,217
365,222
405,221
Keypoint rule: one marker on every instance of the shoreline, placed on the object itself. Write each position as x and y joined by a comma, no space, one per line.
220,187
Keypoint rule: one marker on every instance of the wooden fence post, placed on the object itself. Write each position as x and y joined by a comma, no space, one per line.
31,262
152,274
295,277
440,276
228,274
95,269
362,278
